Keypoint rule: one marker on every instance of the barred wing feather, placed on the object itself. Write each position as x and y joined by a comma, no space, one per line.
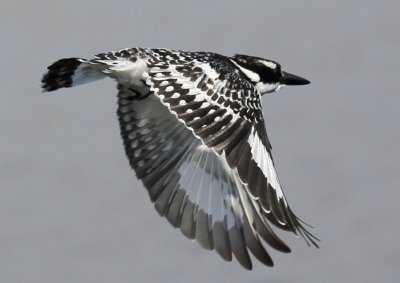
191,185
228,120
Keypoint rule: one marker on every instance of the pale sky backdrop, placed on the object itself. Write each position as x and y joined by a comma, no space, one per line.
71,209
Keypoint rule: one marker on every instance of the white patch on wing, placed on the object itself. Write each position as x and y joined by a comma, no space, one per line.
85,73
264,161
207,177
126,72
254,77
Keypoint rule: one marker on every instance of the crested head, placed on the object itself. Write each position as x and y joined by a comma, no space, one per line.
266,75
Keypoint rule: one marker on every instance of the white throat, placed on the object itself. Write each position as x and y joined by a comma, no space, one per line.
265,87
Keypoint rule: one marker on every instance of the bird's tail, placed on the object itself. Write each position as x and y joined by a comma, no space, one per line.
70,72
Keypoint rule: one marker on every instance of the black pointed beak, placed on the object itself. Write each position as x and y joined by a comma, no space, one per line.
289,79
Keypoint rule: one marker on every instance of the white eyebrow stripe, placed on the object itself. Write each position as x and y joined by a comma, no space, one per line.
269,64
254,77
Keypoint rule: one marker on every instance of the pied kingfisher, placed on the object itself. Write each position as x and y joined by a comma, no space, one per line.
194,133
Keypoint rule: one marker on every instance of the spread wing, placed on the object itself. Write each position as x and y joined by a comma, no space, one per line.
200,147
191,185
198,142
224,111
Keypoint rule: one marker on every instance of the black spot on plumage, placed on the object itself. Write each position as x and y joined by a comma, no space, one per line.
194,77
235,106
123,53
197,70
221,99
227,103
243,112
162,67
215,97
201,84
183,69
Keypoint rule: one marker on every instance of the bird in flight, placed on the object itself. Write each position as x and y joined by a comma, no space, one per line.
194,133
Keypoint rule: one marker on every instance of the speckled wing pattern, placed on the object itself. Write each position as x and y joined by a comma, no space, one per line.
206,160
194,133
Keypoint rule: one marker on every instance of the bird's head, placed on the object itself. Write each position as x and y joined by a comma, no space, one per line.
266,75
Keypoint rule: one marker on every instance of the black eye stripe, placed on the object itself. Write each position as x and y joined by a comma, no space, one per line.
267,75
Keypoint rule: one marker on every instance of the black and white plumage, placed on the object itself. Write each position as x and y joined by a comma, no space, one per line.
194,133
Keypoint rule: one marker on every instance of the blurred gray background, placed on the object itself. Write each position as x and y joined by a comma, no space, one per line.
71,210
